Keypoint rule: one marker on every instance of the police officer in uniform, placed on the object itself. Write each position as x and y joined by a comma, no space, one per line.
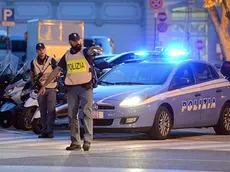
78,80
44,65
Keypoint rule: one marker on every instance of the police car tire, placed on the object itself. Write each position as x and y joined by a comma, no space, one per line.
220,127
154,132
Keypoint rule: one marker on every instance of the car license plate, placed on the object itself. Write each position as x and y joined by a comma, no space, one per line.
98,115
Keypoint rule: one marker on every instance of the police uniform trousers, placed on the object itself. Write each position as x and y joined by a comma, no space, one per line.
47,104
78,95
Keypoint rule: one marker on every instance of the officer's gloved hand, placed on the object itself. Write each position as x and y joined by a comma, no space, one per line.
94,49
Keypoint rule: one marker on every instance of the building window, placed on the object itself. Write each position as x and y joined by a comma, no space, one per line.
178,28
197,26
182,13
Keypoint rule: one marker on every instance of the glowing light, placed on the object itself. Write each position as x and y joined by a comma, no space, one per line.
175,52
131,101
141,53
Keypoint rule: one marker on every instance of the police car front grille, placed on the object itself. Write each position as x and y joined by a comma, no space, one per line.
101,122
106,107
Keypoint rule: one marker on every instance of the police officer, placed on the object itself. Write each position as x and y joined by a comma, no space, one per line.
43,64
78,80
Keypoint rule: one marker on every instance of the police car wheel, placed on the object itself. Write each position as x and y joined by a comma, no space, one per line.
162,124
223,125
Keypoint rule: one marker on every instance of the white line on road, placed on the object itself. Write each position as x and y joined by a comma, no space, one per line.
84,169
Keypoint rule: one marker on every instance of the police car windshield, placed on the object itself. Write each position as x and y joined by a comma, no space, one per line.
138,74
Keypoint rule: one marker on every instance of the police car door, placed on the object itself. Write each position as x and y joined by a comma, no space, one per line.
208,79
185,96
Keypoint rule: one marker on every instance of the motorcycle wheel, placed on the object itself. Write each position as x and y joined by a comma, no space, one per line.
6,119
36,126
26,117
16,123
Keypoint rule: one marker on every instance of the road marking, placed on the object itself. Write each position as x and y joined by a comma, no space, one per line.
84,169
29,142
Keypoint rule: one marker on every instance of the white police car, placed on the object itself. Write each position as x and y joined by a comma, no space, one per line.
154,96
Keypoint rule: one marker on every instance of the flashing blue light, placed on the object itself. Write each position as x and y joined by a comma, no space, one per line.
141,53
175,52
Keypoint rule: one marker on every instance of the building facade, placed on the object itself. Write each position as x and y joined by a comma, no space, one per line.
129,23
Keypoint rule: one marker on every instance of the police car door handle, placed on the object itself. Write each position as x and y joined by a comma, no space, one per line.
218,90
197,95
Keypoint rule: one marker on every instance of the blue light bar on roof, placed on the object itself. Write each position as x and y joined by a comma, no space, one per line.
175,52
141,53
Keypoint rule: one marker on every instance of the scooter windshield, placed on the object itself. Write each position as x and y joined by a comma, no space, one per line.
6,71
20,73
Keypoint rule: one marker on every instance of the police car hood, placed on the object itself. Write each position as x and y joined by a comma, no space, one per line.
108,94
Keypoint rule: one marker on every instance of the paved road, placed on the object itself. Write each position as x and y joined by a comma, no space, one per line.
186,150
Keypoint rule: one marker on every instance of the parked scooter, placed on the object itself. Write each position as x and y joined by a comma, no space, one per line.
61,113
11,98
5,77
30,116
24,117
12,104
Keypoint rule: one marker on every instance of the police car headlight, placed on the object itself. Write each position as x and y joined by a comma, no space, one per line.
131,101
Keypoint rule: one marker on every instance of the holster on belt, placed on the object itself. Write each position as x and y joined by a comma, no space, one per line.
87,86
